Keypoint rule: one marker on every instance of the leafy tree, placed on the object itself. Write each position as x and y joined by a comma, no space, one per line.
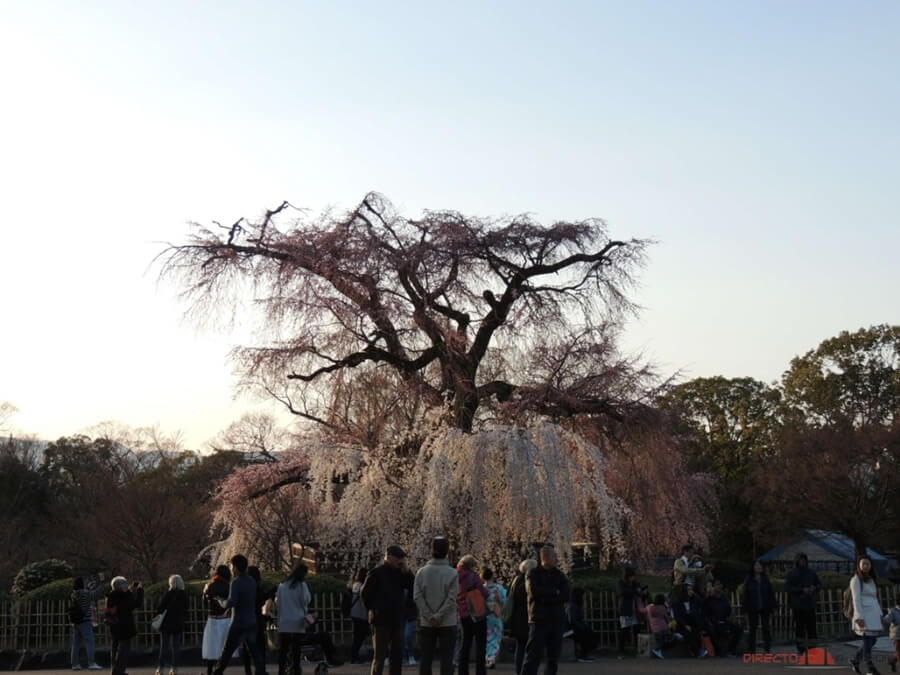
24,504
729,426
838,459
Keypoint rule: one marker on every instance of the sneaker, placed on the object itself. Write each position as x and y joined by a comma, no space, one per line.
568,633
172,671
585,659
658,653
95,666
872,670
412,661
702,654
77,666
855,665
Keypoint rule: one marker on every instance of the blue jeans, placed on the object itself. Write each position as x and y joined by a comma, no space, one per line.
83,633
409,640
171,643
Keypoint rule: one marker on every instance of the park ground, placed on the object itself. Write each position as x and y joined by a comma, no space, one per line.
839,651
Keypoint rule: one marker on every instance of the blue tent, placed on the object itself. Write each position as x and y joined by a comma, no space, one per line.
837,545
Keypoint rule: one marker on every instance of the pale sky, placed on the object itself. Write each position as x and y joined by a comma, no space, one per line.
758,142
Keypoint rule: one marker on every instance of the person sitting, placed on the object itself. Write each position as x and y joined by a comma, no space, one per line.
659,619
689,621
586,640
717,613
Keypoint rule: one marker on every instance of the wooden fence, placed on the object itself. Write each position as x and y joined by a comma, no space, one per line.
45,625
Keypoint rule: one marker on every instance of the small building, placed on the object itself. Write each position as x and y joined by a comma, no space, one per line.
827,552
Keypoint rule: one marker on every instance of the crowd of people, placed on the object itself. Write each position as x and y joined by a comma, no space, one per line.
449,610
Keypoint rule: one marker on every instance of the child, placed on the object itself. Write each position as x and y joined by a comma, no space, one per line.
659,618
892,618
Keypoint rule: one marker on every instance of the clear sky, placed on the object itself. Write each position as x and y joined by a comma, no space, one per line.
758,142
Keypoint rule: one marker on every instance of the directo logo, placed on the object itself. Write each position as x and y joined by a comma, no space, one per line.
817,656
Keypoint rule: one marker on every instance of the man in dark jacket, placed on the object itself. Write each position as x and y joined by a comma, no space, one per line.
242,601
717,613
384,595
802,585
548,593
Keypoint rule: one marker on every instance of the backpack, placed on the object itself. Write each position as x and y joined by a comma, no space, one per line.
76,616
848,603
508,608
475,601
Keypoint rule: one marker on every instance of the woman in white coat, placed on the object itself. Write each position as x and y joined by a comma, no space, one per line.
866,621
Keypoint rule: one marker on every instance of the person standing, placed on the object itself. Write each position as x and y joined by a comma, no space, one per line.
628,591
261,598
292,598
242,601
384,593
434,592
496,598
758,602
471,619
85,601
358,614
216,629
516,611
119,616
174,603
802,585
548,592
866,621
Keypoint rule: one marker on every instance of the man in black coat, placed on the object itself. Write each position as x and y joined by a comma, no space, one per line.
384,594
548,593
717,613
802,585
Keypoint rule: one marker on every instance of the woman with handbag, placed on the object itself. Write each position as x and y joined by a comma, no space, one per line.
472,611
171,612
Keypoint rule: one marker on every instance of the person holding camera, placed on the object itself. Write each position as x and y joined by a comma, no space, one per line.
81,615
121,602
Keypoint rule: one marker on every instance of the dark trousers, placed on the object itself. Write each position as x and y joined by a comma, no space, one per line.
238,635
864,653
586,641
246,656
289,643
691,636
118,656
170,645
805,626
387,639
626,636
361,631
477,631
521,644
543,636
726,636
753,620
444,637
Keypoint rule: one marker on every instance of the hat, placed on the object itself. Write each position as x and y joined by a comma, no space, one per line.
396,552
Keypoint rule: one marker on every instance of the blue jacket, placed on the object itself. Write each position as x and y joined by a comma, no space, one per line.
242,597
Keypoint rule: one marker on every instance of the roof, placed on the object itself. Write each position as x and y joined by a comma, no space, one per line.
834,543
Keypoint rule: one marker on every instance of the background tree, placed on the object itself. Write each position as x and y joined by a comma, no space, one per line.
24,505
728,428
837,461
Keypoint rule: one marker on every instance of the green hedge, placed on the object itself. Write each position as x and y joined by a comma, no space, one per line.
61,589
596,581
